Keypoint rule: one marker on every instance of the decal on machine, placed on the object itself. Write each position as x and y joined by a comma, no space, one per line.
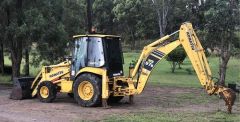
158,53
56,74
190,41
151,60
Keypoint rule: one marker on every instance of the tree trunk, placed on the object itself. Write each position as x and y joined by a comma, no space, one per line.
16,45
179,65
222,71
16,56
160,24
26,67
162,14
89,16
1,58
16,62
166,5
224,58
133,41
174,66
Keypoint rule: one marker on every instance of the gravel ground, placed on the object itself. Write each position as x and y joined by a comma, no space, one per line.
64,109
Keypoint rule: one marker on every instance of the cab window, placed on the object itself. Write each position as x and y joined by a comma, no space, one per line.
95,52
88,51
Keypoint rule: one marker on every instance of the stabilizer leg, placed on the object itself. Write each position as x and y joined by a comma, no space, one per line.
131,101
105,90
105,104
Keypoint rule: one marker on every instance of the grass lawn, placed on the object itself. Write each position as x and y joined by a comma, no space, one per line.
157,116
161,74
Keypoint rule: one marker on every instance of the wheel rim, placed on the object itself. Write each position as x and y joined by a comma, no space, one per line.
44,92
85,90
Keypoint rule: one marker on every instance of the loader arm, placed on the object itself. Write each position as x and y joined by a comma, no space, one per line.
156,51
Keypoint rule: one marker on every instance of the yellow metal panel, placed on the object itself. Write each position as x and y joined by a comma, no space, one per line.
98,71
61,69
41,74
35,80
66,86
56,72
159,41
105,89
195,53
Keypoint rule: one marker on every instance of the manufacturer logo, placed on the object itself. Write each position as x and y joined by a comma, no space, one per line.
149,63
190,41
56,74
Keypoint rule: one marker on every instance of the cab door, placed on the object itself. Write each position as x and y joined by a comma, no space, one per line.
88,52
79,55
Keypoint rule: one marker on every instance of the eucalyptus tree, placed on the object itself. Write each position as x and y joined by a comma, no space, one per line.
135,20
223,21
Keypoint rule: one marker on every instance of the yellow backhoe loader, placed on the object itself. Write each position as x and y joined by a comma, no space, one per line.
94,74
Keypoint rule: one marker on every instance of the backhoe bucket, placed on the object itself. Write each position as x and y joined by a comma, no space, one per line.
229,96
22,88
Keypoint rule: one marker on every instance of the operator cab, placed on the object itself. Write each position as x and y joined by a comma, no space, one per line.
99,51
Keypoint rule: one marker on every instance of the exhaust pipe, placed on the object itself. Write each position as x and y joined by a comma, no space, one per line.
22,88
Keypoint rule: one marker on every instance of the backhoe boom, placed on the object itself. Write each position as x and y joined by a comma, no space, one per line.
154,52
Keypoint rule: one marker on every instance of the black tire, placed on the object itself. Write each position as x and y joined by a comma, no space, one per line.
115,99
97,87
51,94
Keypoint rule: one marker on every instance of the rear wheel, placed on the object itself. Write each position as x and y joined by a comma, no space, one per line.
87,90
47,92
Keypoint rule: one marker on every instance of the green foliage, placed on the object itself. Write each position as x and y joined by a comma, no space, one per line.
35,23
128,14
222,22
177,56
53,27
49,24
103,16
74,17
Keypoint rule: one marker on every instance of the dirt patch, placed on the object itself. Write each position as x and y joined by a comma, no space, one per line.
168,99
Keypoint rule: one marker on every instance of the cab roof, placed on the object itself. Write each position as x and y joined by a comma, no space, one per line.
95,35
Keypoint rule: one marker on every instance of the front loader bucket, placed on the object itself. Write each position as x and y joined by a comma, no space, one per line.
21,88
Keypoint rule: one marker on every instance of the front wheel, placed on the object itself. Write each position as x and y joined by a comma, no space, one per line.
87,90
47,92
